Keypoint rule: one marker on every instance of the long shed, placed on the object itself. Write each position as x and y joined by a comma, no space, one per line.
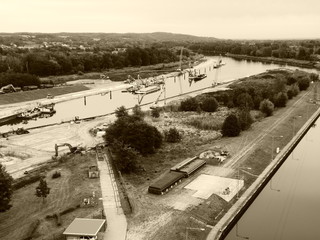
166,182
191,167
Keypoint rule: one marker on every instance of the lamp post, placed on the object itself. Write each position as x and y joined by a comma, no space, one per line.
190,228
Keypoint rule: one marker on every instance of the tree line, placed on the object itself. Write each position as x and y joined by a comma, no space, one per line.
43,62
302,50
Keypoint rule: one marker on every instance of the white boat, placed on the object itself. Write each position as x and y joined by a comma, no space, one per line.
148,90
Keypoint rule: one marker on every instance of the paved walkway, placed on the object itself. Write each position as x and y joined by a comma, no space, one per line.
116,220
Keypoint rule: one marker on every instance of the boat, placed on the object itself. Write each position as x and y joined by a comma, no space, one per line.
198,77
148,90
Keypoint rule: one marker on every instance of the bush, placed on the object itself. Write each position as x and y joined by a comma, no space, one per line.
172,135
267,107
209,104
190,104
245,119
56,174
155,112
290,94
281,99
303,83
295,90
231,126
244,101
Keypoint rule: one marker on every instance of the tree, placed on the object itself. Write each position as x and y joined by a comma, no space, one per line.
135,133
42,190
172,135
245,119
126,157
267,107
209,104
303,83
121,112
231,126
281,99
137,112
190,104
5,189
244,101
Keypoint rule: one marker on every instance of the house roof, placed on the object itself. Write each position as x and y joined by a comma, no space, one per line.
84,227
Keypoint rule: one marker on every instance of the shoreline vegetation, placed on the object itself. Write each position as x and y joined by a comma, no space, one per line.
281,61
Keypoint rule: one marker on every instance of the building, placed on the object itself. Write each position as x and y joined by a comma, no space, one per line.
93,171
85,228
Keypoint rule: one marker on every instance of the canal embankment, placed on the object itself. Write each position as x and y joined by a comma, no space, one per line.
228,221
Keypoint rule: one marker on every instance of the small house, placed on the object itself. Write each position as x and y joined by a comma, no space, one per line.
85,228
93,172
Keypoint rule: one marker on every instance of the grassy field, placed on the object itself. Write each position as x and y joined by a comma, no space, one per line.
17,97
66,191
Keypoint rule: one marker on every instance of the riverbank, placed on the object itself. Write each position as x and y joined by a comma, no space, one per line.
281,61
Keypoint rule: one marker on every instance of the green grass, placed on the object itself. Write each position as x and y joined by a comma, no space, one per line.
205,123
17,97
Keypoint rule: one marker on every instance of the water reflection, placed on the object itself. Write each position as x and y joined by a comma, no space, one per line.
292,213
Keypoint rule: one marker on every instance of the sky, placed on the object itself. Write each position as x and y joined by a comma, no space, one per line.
226,19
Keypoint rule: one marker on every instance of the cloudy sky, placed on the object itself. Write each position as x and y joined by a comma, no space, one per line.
234,19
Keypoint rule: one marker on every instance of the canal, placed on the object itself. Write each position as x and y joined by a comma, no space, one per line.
288,206
103,104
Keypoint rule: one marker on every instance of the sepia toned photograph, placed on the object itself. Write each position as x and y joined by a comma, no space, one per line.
159,120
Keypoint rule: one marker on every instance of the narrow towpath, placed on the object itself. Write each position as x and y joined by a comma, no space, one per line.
116,220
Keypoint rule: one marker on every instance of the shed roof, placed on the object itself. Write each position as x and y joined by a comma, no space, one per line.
167,179
84,227
192,166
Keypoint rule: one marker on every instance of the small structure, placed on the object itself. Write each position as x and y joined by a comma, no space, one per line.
93,172
85,228
166,182
192,167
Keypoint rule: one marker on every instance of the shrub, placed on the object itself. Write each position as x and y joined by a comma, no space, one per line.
155,112
172,135
290,94
295,90
303,83
121,112
281,99
244,100
267,107
189,104
245,119
231,126
209,104
137,112
256,102
56,174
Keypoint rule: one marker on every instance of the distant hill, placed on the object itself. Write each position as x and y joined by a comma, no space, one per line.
147,37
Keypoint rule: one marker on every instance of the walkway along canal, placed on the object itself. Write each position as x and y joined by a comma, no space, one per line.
233,217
